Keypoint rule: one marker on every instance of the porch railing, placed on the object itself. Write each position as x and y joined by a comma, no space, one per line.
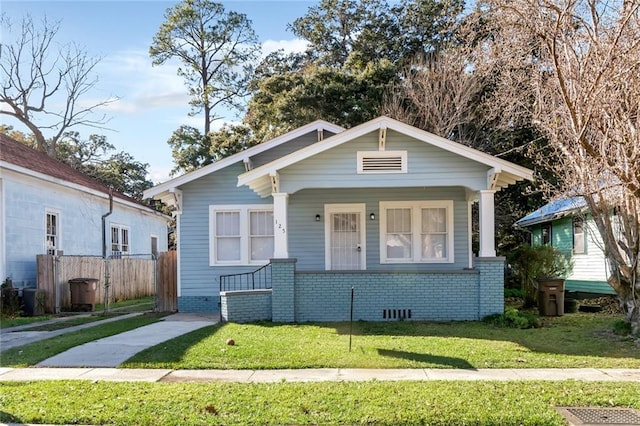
258,279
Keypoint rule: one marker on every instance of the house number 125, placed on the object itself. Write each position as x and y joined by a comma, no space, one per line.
280,227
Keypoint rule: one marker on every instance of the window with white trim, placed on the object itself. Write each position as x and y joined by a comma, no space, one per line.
416,231
52,232
240,234
119,240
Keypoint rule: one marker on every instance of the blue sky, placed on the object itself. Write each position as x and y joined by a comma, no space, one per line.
153,101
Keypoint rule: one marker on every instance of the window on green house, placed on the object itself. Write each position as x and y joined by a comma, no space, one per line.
546,234
578,236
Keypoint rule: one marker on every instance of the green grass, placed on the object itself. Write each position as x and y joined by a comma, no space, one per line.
380,403
6,322
131,305
33,353
571,341
72,322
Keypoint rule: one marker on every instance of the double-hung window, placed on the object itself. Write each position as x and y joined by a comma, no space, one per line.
52,232
119,240
416,232
240,235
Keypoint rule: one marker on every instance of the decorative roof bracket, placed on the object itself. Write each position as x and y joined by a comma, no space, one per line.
492,178
382,138
275,182
248,164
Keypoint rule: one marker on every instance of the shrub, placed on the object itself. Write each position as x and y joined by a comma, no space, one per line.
513,292
529,263
513,318
622,328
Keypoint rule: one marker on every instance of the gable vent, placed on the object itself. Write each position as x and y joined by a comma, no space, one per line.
382,162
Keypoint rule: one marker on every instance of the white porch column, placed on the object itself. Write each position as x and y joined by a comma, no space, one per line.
487,224
280,237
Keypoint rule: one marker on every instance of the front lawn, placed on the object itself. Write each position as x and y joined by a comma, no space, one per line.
380,403
572,341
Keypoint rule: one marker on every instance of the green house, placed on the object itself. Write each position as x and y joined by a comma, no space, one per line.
567,225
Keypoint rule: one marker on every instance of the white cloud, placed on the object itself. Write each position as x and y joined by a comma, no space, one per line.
289,46
139,85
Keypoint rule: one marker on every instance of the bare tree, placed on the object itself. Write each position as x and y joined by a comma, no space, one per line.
584,57
37,76
439,94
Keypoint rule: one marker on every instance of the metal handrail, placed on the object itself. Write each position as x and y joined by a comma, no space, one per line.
258,279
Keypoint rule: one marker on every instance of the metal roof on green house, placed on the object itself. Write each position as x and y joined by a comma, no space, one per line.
553,210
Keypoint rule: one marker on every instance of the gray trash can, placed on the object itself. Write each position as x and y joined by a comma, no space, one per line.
33,301
83,293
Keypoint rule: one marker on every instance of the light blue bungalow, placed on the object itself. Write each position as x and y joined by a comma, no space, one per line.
381,211
567,225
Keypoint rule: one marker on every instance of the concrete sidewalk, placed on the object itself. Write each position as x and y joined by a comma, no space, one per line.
317,375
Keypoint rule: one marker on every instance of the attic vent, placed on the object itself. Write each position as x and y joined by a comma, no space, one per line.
382,162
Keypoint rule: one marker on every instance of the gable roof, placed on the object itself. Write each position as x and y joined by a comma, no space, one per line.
503,172
163,190
19,157
552,211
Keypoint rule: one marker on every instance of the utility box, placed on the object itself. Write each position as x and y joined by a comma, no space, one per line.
551,296
83,293
33,301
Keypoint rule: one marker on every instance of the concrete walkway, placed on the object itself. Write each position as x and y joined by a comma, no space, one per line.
114,350
316,375
109,351
22,335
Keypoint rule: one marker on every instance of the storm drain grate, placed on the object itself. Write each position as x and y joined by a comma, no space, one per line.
600,416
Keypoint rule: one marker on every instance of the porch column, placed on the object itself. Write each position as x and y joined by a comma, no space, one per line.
280,237
487,224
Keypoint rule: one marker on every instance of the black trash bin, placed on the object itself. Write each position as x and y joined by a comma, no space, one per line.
83,293
33,301
551,296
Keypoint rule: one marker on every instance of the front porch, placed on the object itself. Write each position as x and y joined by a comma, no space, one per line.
324,296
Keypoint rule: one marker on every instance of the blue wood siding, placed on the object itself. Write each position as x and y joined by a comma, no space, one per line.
197,277
25,203
427,166
306,236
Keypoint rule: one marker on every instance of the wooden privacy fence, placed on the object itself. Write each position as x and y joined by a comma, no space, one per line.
127,278
167,288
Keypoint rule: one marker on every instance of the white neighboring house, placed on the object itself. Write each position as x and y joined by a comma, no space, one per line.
48,207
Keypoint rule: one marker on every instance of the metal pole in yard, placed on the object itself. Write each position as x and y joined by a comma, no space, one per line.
351,320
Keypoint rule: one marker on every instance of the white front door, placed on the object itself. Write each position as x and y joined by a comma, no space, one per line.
344,237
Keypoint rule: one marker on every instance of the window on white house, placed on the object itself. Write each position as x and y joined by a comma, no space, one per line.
578,236
52,233
240,234
416,232
154,245
119,240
